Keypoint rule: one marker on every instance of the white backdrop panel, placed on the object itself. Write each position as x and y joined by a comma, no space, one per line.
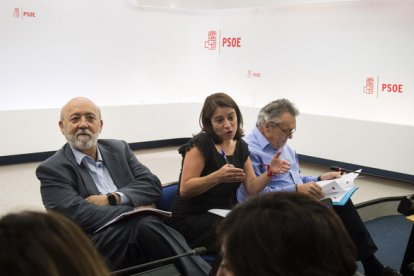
144,66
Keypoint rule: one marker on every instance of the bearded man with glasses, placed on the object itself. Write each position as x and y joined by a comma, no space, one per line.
275,124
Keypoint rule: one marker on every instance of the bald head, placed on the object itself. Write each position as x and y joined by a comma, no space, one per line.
78,102
80,123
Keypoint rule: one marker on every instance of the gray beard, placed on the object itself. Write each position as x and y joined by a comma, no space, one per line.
82,144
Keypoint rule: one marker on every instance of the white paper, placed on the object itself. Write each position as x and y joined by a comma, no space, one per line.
220,212
138,211
336,189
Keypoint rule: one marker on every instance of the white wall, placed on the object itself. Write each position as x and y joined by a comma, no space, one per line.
366,143
150,71
31,131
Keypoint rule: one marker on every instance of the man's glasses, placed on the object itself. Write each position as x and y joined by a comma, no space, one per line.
288,132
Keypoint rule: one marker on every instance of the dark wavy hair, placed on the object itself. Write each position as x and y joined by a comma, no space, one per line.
211,103
282,234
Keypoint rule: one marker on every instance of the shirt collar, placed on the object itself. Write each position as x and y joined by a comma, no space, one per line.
262,141
79,156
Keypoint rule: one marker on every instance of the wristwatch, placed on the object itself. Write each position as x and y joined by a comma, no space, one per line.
111,199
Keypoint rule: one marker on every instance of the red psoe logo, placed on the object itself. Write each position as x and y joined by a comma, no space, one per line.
252,74
392,87
16,12
211,43
29,14
369,86
231,42
215,41
20,13
375,87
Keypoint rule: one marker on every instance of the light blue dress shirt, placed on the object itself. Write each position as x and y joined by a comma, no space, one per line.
261,153
99,173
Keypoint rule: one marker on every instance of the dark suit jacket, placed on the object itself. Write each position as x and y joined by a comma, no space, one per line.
65,184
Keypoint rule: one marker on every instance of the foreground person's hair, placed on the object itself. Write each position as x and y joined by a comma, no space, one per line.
286,234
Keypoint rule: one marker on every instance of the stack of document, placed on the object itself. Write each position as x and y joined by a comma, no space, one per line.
340,189
138,211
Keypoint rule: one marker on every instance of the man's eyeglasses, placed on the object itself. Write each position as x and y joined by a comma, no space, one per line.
288,132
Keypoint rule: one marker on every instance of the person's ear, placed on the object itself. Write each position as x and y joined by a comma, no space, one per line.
101,126
61,127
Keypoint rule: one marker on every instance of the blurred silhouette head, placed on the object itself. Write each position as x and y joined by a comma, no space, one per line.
47,244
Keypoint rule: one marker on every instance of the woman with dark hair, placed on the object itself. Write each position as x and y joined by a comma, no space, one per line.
282,234
47,244
215,163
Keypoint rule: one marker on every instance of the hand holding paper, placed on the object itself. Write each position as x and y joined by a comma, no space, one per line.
340,189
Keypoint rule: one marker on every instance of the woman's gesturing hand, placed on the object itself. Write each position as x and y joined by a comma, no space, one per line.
229,173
